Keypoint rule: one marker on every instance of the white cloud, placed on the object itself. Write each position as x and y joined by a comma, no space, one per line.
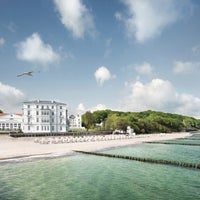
145,69
81,108
160,95
118,16
189,105
75,16
98,107
148,18
102,74
34,50
2,41
185,67
10,98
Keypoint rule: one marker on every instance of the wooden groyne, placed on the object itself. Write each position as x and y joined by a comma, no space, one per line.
148,160
189,138
175,143
193,137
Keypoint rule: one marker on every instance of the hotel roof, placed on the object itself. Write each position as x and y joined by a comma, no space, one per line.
4,114
43,102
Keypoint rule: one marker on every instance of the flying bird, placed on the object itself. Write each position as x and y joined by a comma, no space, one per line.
26,73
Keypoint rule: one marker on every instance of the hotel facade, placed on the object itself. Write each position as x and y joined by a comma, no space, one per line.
44,117
75,122
10,122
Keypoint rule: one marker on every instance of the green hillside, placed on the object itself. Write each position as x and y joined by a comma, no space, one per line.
142,122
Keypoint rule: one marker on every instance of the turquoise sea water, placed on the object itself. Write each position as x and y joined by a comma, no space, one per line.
100,178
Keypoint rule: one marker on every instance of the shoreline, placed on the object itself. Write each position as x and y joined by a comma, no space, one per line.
25,149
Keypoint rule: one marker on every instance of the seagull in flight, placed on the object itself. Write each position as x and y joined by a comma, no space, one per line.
30,73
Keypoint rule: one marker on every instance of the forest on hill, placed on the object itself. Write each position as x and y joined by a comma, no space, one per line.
142,122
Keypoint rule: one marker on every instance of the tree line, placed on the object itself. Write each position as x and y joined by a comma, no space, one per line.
142,122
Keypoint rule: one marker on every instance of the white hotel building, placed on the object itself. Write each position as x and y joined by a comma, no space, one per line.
44,117
10,122
75,122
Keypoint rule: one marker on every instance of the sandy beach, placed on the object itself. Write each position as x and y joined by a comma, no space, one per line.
28,148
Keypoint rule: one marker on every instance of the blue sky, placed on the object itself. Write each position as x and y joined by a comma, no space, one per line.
129,55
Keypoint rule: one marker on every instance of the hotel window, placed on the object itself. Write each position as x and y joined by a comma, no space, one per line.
60,128
60,107
52,113
52,128
37,128
37,113
29,128
28,106
52,107
60,113
42,107
37,119
29,112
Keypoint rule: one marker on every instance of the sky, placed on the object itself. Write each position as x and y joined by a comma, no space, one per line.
126,55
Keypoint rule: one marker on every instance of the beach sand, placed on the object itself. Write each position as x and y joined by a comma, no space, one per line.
26,148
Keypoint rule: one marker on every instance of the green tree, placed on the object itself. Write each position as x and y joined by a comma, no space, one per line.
116,121
111,121
100,115
122,123
88,120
